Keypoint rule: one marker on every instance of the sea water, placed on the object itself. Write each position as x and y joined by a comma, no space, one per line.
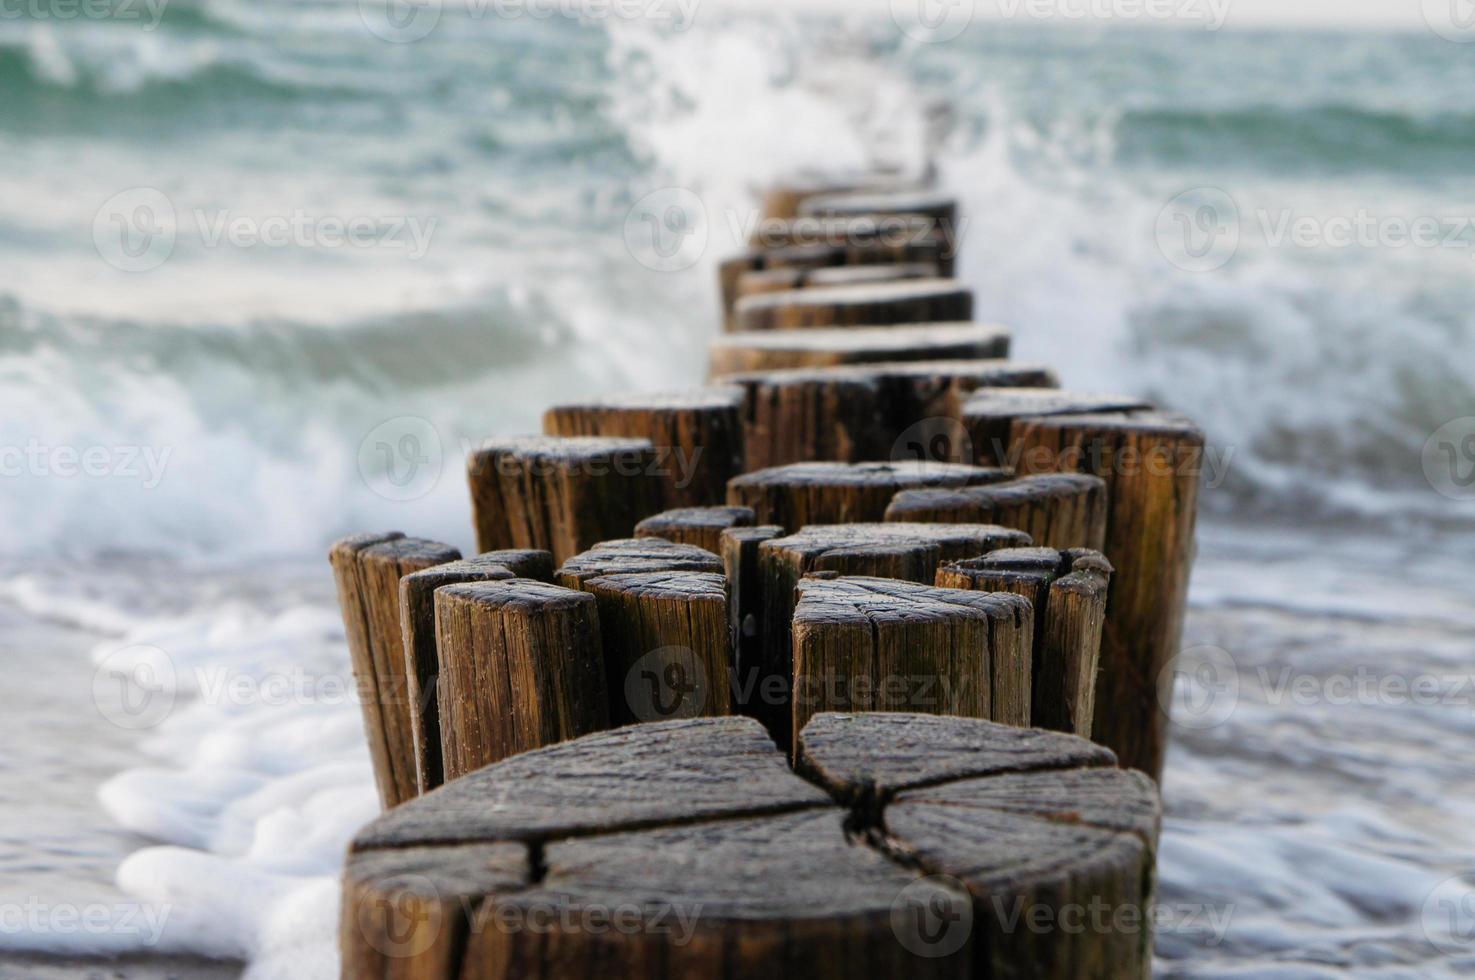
182,438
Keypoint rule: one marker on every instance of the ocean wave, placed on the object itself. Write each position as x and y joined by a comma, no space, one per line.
1325,138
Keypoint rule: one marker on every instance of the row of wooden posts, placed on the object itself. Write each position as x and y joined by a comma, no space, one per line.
868,508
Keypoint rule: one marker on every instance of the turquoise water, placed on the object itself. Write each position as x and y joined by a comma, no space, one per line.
517,148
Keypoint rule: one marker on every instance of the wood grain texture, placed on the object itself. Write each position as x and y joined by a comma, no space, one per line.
422,659
988,415
865,412
877,304
908,552
367,569
740,558
699,526
1068,590
1057,510
654,851
562,495
774,350
630,555
869,644
667,644
697,435
1152,464
801,494
522,667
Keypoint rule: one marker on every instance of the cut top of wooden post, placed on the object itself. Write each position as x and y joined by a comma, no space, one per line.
801,494
935,205
700,526
989,413
697,435
630,555
562,494
870,644
782,278
702,817
772,350
368,569
1059,510
915,549
783,199
877,304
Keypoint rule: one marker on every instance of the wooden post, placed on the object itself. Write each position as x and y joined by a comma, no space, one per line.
422,659
740,560
1152,464
831,244
988,415
870,644
938,206
860,413
1031,823
689,849
666,644
1068,591
773,350
698,436
755,282
1058,510
908,552
367,569
631,555
801,494
879,304
522,668
700,526
783,199
562,494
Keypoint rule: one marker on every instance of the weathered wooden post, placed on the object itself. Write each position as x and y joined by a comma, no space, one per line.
908,552
774,350
860,413
521,667
871,644
667,644
1058,510
1152,464
988,415
1068,592
877,304
685,849
562,494
698,436
783,279
367,569
631,555
700,526
740,560
801,494
422,658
